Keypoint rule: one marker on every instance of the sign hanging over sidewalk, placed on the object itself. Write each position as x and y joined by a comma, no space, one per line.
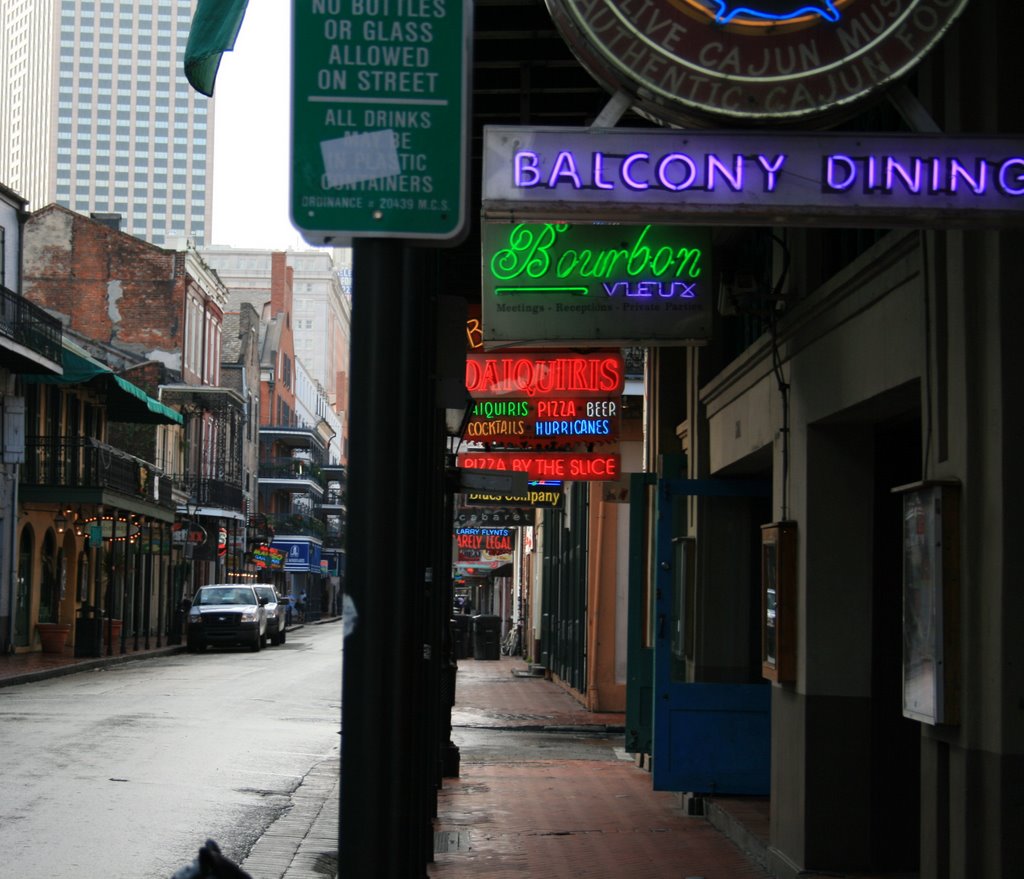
748,178
379,118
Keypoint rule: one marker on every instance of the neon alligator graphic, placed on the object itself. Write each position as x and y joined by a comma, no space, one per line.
726,11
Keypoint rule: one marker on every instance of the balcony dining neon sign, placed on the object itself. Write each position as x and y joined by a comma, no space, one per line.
678,172
792,178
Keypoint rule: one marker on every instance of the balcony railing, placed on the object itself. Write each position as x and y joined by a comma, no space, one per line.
334,539
290,468
335,498
27,324
85,462
212,493
296,524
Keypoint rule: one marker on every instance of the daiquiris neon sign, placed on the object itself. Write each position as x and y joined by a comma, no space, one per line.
743,177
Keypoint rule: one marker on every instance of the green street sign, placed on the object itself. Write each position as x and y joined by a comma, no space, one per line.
379,118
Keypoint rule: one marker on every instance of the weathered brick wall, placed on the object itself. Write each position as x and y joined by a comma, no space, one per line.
106,284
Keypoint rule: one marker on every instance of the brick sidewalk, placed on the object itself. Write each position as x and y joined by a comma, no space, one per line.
562,818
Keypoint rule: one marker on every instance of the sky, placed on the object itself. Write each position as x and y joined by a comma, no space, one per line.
252,133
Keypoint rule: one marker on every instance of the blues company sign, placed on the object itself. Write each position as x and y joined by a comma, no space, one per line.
749,178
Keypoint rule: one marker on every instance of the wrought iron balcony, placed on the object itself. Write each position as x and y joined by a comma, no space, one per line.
335,497
84,463
290,469
27,324
209,493
335,538
297,524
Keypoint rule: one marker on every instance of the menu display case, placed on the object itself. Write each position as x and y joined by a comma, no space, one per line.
931,597
778,602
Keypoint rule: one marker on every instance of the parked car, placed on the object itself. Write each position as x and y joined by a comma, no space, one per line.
227,615
276,608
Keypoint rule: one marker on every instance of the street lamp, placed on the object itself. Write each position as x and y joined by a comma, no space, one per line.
60,522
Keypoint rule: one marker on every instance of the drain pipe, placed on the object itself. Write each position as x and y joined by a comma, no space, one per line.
594,605
13,582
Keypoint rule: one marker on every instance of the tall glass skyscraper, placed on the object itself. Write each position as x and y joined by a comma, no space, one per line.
96,113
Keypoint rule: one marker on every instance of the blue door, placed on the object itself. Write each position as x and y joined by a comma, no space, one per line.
708,737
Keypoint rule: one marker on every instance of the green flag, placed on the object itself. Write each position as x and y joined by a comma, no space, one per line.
214,29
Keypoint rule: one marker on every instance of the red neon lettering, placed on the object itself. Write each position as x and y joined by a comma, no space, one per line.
487,375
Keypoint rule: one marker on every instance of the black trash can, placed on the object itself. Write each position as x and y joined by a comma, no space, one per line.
460,636
486,637
89,631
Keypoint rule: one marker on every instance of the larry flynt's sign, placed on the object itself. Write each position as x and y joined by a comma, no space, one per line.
553,283
750,178
484,545
752,61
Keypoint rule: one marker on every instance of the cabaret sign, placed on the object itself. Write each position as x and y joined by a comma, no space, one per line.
548,283
690,62
743,178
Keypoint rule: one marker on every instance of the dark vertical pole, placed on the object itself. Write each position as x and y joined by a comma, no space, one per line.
147,579
111,570
377,834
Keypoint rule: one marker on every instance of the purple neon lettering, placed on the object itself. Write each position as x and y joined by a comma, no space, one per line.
599,181
958,171
663,172
833,165
717,167
525,170
1018,176
871,183
771,169
564,166
894,170
627,166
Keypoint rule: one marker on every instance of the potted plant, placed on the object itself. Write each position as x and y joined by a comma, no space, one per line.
54,636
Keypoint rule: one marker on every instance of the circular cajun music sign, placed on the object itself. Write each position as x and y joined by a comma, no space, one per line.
701,62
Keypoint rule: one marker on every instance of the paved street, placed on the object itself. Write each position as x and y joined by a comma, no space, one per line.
125,771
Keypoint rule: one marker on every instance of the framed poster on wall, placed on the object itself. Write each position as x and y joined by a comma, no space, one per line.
778,602
931,597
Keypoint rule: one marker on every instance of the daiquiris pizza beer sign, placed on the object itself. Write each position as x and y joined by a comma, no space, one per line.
691,61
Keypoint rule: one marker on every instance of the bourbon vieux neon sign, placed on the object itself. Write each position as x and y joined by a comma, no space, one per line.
532,252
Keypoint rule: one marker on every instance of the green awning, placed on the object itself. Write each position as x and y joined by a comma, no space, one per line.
128,402
154,406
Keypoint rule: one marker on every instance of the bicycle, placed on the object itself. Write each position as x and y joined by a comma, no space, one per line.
512,643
